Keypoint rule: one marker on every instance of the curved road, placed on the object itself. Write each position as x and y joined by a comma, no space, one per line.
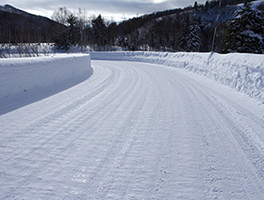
133,131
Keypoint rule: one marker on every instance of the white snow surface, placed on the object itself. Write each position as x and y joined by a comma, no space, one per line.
29,79
135,130
244,72
254,5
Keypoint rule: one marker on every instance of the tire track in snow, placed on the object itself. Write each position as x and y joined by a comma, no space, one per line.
131,131
66,123
238,134
39,124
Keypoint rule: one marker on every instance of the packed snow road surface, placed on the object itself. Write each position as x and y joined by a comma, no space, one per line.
134,131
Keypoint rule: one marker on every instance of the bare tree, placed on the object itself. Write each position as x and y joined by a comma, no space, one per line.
82,23
61,15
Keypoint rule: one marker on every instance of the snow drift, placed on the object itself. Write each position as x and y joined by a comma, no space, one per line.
244,72
22,79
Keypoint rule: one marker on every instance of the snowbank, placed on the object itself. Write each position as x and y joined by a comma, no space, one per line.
25,78
244,72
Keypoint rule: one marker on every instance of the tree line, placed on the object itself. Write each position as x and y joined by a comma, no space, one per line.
190,29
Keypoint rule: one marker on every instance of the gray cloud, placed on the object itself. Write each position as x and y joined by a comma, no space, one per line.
115,8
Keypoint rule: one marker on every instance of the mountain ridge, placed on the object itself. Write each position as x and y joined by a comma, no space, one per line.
19,26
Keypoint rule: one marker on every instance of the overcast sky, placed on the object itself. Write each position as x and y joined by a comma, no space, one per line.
117,9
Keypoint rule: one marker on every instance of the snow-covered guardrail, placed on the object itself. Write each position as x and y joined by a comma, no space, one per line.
22,77
244,72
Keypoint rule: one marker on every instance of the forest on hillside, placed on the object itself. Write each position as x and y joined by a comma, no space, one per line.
239,28
190,29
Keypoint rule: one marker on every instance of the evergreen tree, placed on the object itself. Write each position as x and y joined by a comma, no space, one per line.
99,31
111,33
191,40
206,4
245,32
185,32
195,5
72,21
62,42
68,37
194,41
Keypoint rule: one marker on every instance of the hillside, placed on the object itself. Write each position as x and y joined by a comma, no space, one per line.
188,29
19,26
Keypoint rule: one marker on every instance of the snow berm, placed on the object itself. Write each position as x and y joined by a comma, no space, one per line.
244,72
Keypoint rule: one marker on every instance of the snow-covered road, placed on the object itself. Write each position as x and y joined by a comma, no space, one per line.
134,131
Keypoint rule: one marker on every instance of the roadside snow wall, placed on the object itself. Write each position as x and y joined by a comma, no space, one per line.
244,72
22,78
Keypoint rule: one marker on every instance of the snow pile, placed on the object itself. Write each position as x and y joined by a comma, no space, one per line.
244,72
24,78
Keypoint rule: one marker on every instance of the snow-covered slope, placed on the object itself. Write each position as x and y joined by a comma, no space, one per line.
255,4
23,79
244,72
11,9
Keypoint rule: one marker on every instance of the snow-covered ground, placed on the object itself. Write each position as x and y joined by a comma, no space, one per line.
136,130
244,72
24,80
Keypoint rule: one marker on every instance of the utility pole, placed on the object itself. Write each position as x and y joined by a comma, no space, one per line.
216,23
